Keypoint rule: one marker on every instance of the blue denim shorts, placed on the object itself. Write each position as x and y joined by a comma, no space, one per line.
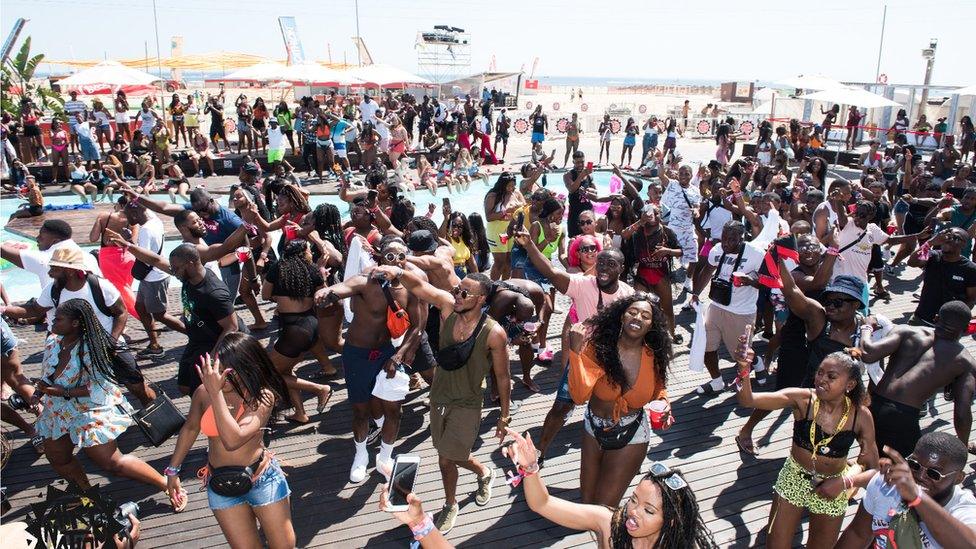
562,394
271,487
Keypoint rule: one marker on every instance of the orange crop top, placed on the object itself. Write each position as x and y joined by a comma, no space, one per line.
208,423
587,378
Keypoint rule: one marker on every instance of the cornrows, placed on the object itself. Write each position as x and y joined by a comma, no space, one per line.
94,339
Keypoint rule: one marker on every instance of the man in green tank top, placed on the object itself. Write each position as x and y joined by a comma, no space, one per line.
471,345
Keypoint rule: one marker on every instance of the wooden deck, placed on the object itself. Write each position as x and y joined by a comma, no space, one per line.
733,491
81,222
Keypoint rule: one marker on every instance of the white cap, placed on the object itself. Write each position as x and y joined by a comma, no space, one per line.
392,389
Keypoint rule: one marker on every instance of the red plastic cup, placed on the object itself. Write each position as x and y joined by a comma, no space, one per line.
289,232
972,327
737,280
504,239
243,253
656,410
891,229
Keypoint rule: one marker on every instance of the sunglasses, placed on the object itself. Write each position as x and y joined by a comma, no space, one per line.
394,256
932,474
458,290
586,222
662,472
587,249
838,302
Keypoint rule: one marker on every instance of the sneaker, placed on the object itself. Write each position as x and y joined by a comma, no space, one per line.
445,519
152,353
358,471
374,432
483,495
687,284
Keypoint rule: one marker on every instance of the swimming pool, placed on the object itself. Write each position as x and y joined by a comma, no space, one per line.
21,285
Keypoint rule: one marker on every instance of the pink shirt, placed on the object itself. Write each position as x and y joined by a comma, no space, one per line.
585,294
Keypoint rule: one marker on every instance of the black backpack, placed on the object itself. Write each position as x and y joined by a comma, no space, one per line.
96,290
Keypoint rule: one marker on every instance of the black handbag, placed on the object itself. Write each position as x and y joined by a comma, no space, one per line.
160,419
141,270
720,290
454,356
616,437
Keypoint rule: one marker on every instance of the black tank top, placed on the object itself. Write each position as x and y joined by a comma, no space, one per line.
838,447
822,346
539,123
577,204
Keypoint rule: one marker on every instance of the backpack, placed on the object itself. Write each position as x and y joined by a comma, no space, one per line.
96,290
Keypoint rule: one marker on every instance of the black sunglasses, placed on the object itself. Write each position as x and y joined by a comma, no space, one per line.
671,478
458,290
395,256
838,302
587,249
586,222
933,474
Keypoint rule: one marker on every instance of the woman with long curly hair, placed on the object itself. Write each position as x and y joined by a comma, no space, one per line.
620,215
456,230
82,403
291,283
233,407
618,363
661,512
482,256
292,206
323,229
827,420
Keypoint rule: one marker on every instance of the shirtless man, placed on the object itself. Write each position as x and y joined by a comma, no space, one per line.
368,350
516,305
923,361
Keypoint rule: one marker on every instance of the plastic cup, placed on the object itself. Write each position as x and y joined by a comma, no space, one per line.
737,279
656,410
289,232
503,238
243,253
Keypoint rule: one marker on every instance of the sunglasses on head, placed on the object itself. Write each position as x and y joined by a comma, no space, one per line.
674,480
394,256
838,302
932,474
458,290
586,222
587,249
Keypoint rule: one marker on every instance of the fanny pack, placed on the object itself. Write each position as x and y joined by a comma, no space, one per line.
397,319
234,480
720,290
454,356
141,270
616,436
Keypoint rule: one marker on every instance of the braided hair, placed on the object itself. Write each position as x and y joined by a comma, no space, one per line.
296,197
93,338
607,325
295,271
255,378
328,223
682,527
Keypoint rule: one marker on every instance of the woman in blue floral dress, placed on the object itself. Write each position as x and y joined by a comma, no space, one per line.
81,400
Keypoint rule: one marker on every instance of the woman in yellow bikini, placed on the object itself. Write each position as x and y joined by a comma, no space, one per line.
501,203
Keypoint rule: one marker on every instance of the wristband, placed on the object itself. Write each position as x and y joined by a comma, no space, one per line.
171,471
425,527
914,502
833,251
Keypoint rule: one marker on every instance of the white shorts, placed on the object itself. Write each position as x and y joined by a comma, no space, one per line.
689,243
122,118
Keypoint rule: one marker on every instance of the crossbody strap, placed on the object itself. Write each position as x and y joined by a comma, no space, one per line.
852,244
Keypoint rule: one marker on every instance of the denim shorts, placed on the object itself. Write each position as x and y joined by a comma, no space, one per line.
519,257
562,394
271,487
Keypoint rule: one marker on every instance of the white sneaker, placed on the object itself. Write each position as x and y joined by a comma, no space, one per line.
384,465
688,284
358,472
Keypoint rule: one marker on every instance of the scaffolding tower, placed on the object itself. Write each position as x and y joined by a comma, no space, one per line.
443,53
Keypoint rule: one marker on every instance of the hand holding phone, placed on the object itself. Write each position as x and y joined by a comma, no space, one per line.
402,479
520,220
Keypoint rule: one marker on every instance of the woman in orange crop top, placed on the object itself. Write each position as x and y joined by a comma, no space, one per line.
232,407
618,364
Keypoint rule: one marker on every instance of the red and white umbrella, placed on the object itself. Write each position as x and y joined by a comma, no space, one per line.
109,77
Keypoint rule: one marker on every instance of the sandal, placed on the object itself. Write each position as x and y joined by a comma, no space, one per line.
706,390
750,450
37,441
323,403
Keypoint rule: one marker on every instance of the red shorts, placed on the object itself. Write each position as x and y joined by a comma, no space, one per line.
651,276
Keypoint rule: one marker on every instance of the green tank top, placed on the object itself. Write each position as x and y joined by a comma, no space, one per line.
552,246
464,387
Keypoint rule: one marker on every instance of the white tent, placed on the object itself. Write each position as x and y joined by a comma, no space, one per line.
809,82
968,90
262,72
765,94
387,76
851,96
314,74
109,77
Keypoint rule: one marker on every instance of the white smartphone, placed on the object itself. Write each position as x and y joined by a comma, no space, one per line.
401,481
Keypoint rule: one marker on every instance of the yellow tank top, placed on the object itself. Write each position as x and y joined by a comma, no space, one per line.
461,252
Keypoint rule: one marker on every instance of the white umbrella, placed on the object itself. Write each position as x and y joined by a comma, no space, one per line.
765,94
763,108
809,82
317,75
387,76
109,77
851,96
968,90
262,72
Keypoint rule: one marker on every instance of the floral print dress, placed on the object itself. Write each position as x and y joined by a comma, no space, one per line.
90,421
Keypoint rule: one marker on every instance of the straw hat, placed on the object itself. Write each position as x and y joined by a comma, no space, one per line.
68,258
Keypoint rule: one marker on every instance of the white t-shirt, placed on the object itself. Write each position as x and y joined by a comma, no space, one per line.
715,221
744,298
856,257
275,139
35,261
962,506
369,111
109,292
150,237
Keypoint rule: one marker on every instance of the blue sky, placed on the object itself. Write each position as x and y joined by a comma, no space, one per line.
649,39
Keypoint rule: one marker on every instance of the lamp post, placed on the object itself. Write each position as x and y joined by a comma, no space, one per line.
929,55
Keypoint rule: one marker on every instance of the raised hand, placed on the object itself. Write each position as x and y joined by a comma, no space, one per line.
210,374
895,472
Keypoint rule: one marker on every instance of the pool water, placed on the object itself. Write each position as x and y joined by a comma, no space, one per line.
21,285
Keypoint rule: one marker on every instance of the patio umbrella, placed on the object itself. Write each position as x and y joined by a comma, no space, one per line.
109,77
809,82
851,96
387,76
270,71
765,94
314,74
968,90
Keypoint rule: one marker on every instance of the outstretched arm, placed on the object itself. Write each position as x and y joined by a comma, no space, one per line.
444,301
559,279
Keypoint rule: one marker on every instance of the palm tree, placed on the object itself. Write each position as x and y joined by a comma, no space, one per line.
16,84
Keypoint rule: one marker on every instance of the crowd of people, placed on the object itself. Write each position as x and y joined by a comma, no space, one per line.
770,246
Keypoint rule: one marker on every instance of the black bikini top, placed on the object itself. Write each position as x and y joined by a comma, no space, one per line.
837,448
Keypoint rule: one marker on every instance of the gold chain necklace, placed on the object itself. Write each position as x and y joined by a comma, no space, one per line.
824,445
